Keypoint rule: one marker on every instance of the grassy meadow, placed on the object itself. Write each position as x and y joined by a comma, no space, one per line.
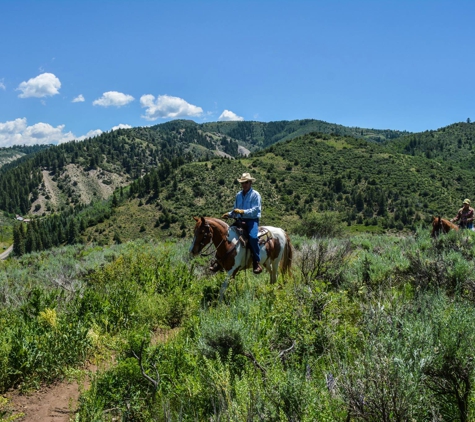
367,328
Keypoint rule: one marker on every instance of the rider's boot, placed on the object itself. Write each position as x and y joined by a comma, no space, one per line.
215,267
256,268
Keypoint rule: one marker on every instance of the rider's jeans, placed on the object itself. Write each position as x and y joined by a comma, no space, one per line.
252,227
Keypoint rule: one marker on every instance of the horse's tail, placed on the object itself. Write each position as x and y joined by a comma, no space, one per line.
286,263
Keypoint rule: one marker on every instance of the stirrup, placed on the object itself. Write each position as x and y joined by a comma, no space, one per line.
257,269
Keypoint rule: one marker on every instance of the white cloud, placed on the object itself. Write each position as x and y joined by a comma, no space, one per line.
79,99
229,116
167,107
113,98
90,134
17,132
121,126
2,85
44,85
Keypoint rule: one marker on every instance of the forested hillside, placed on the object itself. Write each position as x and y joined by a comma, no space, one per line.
79,172
68,174
454,144
304,182
258,135
10,154
320,173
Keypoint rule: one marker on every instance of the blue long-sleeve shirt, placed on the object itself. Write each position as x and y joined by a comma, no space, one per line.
250,203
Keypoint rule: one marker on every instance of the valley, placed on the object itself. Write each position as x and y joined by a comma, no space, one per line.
103,266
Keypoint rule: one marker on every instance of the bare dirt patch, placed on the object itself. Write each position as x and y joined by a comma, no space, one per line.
7,159
243,151
56,403
76,185
93,184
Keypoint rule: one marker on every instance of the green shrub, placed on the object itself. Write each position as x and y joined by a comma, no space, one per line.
221,339
449,369
320,225
5,347
41,350
324,259
376,328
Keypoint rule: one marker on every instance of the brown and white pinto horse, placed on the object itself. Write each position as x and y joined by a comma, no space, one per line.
232,256
441,225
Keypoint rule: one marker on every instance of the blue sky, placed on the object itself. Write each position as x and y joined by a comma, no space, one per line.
70,69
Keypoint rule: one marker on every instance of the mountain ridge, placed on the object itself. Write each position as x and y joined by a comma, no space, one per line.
357,183
157,184
130,153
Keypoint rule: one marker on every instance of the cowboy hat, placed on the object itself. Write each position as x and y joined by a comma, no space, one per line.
246,177
466,201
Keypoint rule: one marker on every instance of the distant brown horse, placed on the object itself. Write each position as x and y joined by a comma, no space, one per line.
441,225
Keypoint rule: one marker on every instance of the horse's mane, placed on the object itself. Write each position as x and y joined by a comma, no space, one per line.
449,223
220,222
446,221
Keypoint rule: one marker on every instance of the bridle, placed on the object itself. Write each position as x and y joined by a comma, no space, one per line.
440,225
206,230
205,242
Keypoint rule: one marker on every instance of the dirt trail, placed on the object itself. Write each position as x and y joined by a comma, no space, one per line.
57,403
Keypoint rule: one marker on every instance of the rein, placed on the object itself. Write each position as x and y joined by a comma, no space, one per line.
204,251
209,246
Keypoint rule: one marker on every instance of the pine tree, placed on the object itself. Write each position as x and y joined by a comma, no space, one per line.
382,205
30,241
359,202
73,231
117,238
18,239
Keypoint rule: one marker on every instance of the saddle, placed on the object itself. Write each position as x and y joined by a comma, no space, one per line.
263,235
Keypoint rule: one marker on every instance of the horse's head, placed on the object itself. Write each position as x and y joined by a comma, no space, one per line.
203,234
436,226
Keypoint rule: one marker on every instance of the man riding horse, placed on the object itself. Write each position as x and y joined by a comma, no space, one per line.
247,211
465,215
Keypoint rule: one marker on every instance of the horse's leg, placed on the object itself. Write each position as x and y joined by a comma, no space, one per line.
230,275
272,262
275,270
268,266
224,286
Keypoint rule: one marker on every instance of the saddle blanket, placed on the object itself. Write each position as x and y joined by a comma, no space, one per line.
264,235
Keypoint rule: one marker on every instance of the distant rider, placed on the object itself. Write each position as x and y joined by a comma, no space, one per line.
465,215
247,208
